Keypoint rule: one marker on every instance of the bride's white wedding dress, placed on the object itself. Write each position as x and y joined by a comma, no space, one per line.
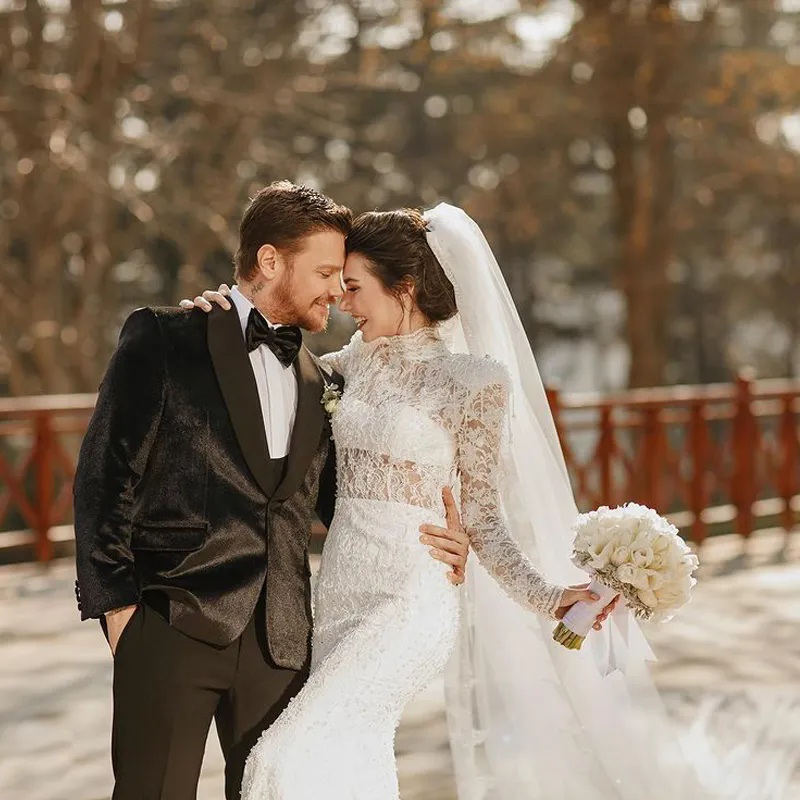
413,418
528,720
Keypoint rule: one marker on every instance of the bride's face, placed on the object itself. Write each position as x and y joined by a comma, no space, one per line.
375,309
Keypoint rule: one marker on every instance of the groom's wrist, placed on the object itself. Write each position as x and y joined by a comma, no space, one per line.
119,610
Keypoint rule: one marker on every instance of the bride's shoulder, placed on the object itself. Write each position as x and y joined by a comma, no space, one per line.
474,373
339,360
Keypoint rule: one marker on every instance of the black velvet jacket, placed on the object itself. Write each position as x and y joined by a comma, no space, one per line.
175,493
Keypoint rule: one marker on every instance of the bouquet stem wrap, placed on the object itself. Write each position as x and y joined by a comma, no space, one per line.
578,621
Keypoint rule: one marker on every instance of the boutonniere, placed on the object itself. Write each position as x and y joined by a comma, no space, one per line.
330,398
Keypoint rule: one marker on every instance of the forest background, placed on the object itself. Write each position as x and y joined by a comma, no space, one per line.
635,165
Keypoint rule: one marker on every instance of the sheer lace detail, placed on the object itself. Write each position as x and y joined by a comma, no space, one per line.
478,459
374,476
415,418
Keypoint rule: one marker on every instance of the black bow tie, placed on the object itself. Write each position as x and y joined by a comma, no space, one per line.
285,342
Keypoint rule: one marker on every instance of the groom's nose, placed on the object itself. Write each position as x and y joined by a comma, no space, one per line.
335,292
333,299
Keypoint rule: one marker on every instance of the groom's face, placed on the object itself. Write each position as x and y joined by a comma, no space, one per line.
310,281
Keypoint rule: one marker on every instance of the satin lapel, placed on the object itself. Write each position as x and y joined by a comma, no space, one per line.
238,384
308,424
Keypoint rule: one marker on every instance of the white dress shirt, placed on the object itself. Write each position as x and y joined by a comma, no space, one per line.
277,386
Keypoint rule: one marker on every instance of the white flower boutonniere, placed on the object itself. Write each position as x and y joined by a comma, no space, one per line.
331,397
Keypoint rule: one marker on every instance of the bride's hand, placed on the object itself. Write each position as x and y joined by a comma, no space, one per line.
205,300
574,594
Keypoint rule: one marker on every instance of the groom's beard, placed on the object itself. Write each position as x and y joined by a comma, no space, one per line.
313,317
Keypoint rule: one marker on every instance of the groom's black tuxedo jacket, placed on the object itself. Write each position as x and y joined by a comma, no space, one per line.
176,497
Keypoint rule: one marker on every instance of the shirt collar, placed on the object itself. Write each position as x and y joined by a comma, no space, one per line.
244,307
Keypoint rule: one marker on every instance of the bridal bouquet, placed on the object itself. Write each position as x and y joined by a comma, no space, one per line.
633,552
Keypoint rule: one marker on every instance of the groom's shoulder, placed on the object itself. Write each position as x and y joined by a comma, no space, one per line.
164,315
175,315
151,324
175,320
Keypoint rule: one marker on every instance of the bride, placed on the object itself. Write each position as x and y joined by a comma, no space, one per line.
441,388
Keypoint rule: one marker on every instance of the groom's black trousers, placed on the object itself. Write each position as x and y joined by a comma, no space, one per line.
167,689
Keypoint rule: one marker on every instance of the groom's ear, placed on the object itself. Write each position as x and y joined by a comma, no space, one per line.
267,259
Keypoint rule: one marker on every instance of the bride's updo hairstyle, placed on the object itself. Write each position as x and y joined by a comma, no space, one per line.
395,245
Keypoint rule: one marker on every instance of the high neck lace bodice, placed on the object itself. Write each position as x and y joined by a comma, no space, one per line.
419,345
415,418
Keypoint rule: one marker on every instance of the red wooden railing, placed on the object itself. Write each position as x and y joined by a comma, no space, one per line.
39,441
719,454
724,455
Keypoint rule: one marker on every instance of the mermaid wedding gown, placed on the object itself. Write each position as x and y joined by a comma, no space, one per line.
413,418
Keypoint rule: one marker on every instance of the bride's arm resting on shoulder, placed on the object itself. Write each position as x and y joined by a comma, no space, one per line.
479,443
209,296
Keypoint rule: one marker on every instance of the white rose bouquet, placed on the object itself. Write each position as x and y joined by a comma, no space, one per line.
633,552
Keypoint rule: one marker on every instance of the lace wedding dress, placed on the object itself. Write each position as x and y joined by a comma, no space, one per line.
413,418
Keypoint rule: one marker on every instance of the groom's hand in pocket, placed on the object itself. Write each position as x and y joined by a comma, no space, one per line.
451,544
116,622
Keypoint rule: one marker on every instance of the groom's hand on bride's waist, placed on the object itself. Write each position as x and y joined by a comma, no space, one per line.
451,544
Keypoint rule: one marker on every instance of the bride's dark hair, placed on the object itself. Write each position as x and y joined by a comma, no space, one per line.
395,245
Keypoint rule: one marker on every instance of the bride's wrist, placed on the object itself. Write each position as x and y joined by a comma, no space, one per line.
556,600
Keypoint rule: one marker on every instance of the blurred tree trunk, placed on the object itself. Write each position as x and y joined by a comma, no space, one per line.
640,103
62,125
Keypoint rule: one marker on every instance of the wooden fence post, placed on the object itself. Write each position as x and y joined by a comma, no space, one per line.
44,486
605,454
790,461
653,453
744,447
698,491
554,401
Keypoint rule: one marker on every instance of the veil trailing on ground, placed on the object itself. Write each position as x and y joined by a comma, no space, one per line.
529,719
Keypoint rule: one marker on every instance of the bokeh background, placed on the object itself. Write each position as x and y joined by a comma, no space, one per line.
635,165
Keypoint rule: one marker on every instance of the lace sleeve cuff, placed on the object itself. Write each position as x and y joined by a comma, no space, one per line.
554,601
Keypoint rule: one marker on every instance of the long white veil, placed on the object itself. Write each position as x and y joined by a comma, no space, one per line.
528,719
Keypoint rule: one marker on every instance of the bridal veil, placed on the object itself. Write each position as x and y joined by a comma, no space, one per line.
528,719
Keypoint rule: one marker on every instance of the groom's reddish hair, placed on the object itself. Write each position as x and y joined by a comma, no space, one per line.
283,214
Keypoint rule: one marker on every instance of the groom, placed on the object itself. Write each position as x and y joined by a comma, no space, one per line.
207,455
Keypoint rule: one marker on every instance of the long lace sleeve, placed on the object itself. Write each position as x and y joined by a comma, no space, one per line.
479,441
